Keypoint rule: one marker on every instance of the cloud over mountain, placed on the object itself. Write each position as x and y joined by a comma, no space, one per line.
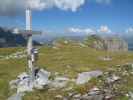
104,29
82,30
129,30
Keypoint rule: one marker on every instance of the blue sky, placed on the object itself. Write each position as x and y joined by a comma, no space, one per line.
116,16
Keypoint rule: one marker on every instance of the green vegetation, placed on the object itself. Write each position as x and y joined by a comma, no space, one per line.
90,39
68,60
8,51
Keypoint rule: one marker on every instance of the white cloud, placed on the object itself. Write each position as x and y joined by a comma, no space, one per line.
104,29
69,4
35,4
129,30
72,5
9,7
82,30
12,6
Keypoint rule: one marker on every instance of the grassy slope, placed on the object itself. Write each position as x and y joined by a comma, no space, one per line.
79,59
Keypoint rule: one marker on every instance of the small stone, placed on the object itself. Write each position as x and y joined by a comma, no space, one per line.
59,96
77,96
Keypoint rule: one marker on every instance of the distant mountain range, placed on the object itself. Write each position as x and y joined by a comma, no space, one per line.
49,39
9,39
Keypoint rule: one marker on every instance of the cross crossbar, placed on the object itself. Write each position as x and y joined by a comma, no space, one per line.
26,32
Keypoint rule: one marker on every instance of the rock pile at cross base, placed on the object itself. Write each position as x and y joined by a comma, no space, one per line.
106,85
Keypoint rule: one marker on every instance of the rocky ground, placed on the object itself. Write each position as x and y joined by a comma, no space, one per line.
106,75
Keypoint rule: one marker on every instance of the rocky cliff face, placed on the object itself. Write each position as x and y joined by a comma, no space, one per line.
113,44
107,43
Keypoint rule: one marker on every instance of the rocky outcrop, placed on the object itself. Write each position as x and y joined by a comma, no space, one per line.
107,43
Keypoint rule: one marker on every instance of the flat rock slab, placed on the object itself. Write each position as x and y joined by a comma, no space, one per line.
59,82
86,76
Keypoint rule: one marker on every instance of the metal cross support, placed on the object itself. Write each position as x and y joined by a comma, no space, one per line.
30,49
31,52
